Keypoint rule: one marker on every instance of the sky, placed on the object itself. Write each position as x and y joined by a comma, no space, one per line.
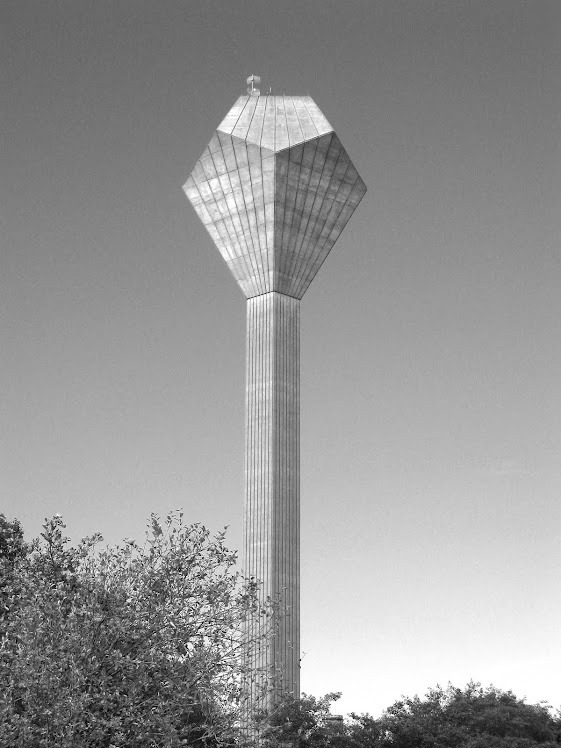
431,353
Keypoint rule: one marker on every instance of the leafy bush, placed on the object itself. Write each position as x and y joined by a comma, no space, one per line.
125,646
473,717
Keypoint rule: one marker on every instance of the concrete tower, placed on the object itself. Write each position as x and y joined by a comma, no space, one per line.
274,189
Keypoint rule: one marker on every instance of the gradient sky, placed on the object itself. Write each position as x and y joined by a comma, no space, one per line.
431,341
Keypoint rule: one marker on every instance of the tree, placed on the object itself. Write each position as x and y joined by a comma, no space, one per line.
12,550
302,723
140,646
125,646
473,717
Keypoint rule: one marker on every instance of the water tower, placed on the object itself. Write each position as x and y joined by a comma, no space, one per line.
274,189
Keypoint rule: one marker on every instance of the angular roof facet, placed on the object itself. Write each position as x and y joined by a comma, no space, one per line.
275,122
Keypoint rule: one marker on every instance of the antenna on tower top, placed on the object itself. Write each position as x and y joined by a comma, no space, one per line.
253,79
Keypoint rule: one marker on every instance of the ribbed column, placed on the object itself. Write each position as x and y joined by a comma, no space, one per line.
272,494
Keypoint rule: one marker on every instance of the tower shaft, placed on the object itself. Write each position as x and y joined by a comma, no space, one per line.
272,491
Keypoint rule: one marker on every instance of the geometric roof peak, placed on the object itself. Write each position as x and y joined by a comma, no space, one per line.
275,122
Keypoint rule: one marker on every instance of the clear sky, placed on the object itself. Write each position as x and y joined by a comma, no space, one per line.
431,342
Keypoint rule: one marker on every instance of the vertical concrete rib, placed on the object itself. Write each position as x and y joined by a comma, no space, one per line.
272,500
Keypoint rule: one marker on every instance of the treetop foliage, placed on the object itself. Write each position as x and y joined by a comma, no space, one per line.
140,646
473,717
133,645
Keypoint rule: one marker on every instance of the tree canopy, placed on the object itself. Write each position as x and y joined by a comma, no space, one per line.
135,645
472,717
140,646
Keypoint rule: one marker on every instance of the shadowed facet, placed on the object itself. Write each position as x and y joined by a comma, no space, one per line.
317,189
